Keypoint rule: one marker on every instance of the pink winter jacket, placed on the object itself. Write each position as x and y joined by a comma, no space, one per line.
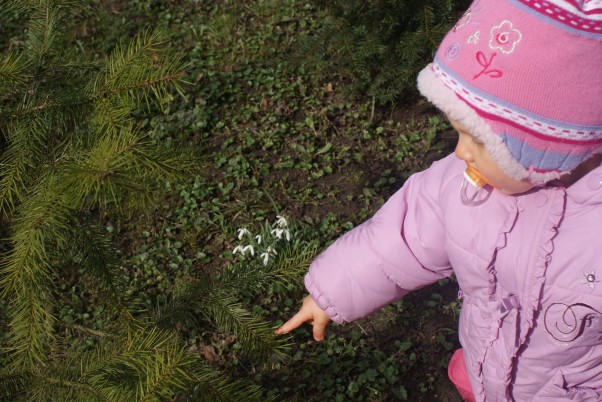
529,269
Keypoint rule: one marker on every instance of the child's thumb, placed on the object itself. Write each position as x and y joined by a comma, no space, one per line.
319,330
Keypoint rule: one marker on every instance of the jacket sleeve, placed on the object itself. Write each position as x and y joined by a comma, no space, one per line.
398,250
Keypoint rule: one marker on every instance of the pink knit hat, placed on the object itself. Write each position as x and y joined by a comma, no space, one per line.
525,78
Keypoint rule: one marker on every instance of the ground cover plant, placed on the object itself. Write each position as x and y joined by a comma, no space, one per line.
273,141
378,47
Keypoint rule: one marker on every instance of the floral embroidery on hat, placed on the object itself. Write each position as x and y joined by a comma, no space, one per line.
504,37
452,51
475,38
590,279
486,64
467,17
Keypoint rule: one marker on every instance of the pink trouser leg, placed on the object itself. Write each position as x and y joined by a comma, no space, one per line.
458,375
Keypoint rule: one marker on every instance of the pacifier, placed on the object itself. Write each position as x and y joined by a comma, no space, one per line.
478,182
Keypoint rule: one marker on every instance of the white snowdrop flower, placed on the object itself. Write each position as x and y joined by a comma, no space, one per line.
287,235
278,233
242,232
281,221
271,250
238,249
250,248
258,239
266,258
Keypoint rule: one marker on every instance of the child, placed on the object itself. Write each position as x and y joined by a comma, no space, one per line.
521,81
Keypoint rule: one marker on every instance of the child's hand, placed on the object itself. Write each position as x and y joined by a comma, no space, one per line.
309,312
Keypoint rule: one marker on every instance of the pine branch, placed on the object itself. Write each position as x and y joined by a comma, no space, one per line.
168,376
92,250
178,311
166,163
98,176
57,379
109,117
247,281
119,167
30,139
155,362
217,297
228,314
13,384
139,68
256,336
212,386
12,71
70,147
50,387
14,167
26,276
43,31
31,327
27,148
45,116
42,218
122,60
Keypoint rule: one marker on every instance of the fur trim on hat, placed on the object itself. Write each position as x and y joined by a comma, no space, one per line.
447,101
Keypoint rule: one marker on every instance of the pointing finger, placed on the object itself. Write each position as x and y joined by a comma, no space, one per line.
296,321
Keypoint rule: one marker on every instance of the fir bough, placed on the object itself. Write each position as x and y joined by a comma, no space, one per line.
378,47
70,154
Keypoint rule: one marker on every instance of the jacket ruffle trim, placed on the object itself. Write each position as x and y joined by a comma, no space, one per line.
540,265
532,299
502,309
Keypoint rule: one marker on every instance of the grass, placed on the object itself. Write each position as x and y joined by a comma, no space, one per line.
273,140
